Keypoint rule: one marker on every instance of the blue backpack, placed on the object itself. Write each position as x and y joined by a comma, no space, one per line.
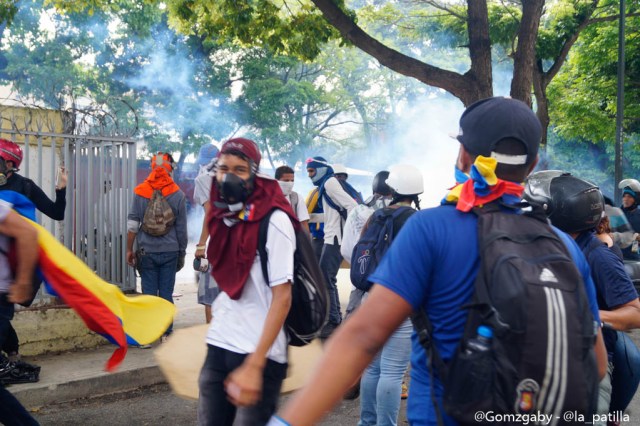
378,234
346,186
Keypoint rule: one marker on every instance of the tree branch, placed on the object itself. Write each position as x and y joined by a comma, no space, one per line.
610,18
454,83
566,46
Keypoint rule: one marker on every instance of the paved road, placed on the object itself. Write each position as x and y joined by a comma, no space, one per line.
156,406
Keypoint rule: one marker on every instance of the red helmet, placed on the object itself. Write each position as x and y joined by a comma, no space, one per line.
11,151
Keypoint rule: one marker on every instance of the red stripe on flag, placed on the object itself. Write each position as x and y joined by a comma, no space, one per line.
94,312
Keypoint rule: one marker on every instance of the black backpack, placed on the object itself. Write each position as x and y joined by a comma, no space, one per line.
309,310
374,242
530,294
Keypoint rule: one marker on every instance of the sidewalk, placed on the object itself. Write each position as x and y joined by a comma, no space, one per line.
72,375
80,374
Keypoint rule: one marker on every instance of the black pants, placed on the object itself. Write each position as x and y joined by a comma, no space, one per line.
11,344
213,407
12,413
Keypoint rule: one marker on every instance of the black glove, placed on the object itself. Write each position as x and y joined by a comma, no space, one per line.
180,262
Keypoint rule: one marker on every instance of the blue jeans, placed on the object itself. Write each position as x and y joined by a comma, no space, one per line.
626,372
381,383
214,409
330,261
158,275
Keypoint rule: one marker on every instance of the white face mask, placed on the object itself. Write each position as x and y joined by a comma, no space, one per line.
286,187
381,203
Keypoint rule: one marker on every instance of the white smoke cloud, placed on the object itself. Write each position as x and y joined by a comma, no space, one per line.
422,140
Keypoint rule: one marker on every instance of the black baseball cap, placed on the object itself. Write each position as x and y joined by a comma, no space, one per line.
486,122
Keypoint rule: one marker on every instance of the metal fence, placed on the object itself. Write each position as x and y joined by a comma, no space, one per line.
101,177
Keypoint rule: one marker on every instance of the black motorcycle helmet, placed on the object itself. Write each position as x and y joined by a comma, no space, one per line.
379,185
572,204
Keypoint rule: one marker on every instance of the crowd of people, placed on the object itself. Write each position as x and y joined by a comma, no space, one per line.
415,275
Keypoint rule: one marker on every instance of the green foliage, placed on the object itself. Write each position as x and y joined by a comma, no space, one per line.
584,94
8,9
582,158
177,90
591,161
285,29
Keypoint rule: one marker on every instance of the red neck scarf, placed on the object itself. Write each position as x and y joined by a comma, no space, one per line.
159,178
232,249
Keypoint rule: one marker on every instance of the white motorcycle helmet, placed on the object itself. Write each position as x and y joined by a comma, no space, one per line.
405,179
339,169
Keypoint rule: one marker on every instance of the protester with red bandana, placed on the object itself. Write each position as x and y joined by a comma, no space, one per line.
158,258
432,264
247,347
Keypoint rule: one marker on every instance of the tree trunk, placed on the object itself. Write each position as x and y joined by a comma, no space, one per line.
479,50
525,54
540,92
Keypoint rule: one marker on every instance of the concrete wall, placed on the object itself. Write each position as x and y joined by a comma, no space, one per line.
53,330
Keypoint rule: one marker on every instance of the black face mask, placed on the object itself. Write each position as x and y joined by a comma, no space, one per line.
3,172
234,191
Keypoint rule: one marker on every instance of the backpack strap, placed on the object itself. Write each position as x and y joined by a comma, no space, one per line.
323,195
424,330
401,215
262,245
294,202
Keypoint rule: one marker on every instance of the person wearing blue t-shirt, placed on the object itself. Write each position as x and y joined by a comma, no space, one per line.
432,264
576,206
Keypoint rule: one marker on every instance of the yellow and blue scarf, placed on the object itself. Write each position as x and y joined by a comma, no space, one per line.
481,186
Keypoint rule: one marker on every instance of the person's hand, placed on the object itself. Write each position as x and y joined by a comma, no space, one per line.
200,251
244,384
180,262
63,175
131,258
20,292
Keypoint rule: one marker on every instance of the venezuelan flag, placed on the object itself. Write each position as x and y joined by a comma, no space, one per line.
121,319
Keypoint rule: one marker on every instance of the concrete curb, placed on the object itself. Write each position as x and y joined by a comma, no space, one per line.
49,394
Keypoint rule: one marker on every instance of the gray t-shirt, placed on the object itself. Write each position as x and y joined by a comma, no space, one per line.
175,239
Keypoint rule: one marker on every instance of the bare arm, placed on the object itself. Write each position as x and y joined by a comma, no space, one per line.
624,317
26,237
131,258
347,354
601,355
244,384
204,233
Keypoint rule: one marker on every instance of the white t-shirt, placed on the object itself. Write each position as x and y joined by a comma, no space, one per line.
353,228
202,188
5,272
300,209
237,324
333,222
